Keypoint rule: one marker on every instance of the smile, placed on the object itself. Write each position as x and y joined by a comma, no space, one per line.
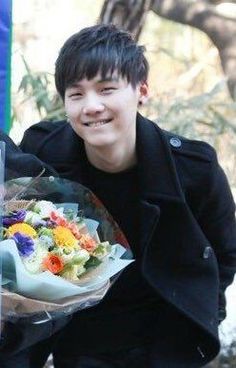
97,123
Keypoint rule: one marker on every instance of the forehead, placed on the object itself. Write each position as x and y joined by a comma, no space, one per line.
98,79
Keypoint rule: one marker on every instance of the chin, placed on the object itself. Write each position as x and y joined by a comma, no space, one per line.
100,142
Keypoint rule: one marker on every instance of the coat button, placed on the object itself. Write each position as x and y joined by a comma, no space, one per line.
206,253
175,142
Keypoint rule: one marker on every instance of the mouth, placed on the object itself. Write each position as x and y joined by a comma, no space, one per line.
96,124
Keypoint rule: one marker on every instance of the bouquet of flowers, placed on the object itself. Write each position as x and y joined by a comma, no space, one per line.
53,239
60,251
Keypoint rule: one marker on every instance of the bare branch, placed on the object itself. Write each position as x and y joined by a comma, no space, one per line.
221,30
201,14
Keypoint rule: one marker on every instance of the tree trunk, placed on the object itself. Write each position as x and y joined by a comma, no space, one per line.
127,14
200,14
220,29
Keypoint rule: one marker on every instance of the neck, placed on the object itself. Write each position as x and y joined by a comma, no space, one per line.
111,159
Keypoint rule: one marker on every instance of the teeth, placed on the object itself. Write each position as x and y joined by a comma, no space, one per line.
97,123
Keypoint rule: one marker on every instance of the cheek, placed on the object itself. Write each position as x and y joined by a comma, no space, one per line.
72,109
130,102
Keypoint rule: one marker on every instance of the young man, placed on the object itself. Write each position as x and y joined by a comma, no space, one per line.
170,198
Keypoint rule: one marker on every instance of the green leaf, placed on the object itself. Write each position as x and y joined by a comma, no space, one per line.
92,262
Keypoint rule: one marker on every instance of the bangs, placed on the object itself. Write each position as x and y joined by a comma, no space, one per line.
91,63
100,50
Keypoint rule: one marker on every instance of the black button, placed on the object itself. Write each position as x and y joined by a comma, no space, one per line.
175,142
222,314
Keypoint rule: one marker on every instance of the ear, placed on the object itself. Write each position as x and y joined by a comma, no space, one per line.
143,93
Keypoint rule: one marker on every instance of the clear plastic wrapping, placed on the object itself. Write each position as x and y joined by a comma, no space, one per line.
61,250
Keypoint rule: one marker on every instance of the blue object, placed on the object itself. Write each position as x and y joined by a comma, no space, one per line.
5,63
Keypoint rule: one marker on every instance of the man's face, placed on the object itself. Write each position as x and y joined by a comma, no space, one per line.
103,111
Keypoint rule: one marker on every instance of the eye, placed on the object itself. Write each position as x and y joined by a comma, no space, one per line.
75,95
108,89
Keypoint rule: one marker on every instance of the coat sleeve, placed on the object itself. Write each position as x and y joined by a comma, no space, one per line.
18,163
33,138
17,337
217,220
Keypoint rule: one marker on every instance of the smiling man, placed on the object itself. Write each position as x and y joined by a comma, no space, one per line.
167,193
102,111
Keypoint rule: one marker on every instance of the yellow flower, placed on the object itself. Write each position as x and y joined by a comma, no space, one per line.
21,228
64,237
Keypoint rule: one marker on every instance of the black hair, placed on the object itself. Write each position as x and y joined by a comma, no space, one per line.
100,49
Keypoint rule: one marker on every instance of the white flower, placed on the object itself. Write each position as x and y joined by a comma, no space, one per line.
72,272
102,250
46,241
73,256
81,257
80,269
33,218
44,208
33,263
66,253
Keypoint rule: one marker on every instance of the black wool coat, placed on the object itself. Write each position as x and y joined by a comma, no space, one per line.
188,230
19,164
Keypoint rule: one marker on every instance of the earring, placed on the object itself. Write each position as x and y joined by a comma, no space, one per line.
140,103
67,119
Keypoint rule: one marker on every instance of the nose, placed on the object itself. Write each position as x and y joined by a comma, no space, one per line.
92,105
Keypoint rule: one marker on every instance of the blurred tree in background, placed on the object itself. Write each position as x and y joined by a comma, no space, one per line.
188,90
201,14
187,96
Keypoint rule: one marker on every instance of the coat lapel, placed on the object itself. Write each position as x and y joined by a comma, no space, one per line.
158,178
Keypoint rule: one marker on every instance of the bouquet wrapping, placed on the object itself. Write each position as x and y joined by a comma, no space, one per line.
61,250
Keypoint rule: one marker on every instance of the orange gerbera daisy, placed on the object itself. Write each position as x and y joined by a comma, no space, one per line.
53,263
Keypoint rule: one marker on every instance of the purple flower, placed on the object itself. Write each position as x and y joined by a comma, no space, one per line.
14,218
50,224
24,244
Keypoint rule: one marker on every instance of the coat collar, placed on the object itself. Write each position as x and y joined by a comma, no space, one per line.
156,168
158,179
157,171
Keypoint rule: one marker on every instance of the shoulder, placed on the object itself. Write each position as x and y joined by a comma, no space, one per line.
196,166
35,135
196,162
178,146
45,127
198,170
188,149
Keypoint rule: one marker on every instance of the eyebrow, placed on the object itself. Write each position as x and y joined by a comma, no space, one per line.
108,79
103,80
